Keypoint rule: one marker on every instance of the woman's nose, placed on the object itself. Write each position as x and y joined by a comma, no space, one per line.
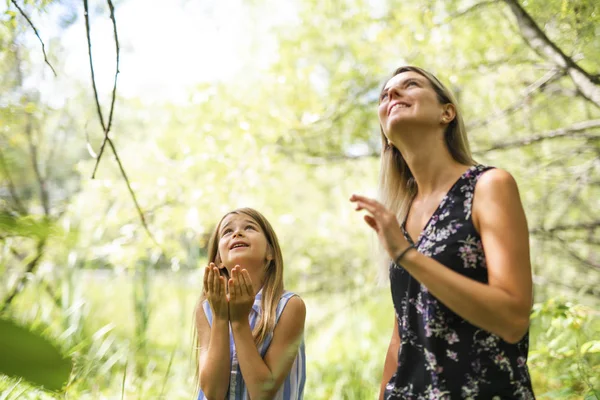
393,92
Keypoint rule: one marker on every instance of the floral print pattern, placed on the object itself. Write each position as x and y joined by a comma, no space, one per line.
441,355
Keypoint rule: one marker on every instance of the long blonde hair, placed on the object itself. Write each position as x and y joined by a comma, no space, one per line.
397,186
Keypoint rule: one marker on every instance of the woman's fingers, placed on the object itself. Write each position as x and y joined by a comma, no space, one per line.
372,222
356,198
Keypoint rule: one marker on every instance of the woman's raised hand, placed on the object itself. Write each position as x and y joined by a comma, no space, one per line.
384,223
214,289
241,295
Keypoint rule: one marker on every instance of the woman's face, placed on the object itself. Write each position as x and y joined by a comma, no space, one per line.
408,101
242,241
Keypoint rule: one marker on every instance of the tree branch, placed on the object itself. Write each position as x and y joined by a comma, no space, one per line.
466,11
29,268
106,127
540,43
573,131
541,280
89,41
137,206
574,254
11,186
44,197
114,91
538,85
36,34
580,226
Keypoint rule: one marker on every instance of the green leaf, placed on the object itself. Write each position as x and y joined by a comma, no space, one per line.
29,226
30,356
592,346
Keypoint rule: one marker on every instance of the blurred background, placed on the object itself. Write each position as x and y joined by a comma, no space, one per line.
272,105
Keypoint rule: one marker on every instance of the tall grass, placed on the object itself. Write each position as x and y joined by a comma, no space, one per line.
129,335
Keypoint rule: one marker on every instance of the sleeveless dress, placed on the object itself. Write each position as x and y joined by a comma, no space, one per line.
292,387
442,356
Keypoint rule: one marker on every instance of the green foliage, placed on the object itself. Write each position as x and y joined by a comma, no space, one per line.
293,139
30,356
565,356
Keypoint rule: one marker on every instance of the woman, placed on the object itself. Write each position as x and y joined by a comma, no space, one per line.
460,270
250,342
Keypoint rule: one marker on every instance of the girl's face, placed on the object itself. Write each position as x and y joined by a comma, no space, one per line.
242,242
408,100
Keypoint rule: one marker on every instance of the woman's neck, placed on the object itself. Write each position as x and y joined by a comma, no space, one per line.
430,162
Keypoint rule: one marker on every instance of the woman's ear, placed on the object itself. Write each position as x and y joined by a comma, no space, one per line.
448,113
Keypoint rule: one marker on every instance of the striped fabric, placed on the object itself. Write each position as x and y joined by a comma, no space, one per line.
293,386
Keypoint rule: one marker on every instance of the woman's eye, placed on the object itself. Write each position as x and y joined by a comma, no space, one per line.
384,96
411,83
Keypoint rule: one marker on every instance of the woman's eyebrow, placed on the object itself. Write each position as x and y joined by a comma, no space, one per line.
404,81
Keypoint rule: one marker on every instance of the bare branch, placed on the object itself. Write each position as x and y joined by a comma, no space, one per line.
44,197
538,85
580,226
573,131
89,40
466,11
106,127
574,254
114,92
11,186
137,206
117,51
541,280
36,34
29,268
538,41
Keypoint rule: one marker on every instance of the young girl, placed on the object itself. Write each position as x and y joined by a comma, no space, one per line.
250,331
460,272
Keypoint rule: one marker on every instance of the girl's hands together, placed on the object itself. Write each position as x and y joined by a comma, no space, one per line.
214,289
241,295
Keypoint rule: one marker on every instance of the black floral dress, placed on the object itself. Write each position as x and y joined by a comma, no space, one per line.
441,355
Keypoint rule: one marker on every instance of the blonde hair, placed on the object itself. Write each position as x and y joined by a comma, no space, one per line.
397,186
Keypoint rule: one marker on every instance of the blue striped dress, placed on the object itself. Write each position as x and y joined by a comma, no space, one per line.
293,386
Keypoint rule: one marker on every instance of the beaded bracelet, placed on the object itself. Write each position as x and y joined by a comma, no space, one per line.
397,260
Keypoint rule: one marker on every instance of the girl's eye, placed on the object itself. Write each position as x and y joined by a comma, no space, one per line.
411,83
383,96
250,227
226,232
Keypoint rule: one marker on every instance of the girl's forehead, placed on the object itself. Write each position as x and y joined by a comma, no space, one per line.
233,218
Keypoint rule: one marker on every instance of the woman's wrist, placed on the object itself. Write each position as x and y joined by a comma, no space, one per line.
400,254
